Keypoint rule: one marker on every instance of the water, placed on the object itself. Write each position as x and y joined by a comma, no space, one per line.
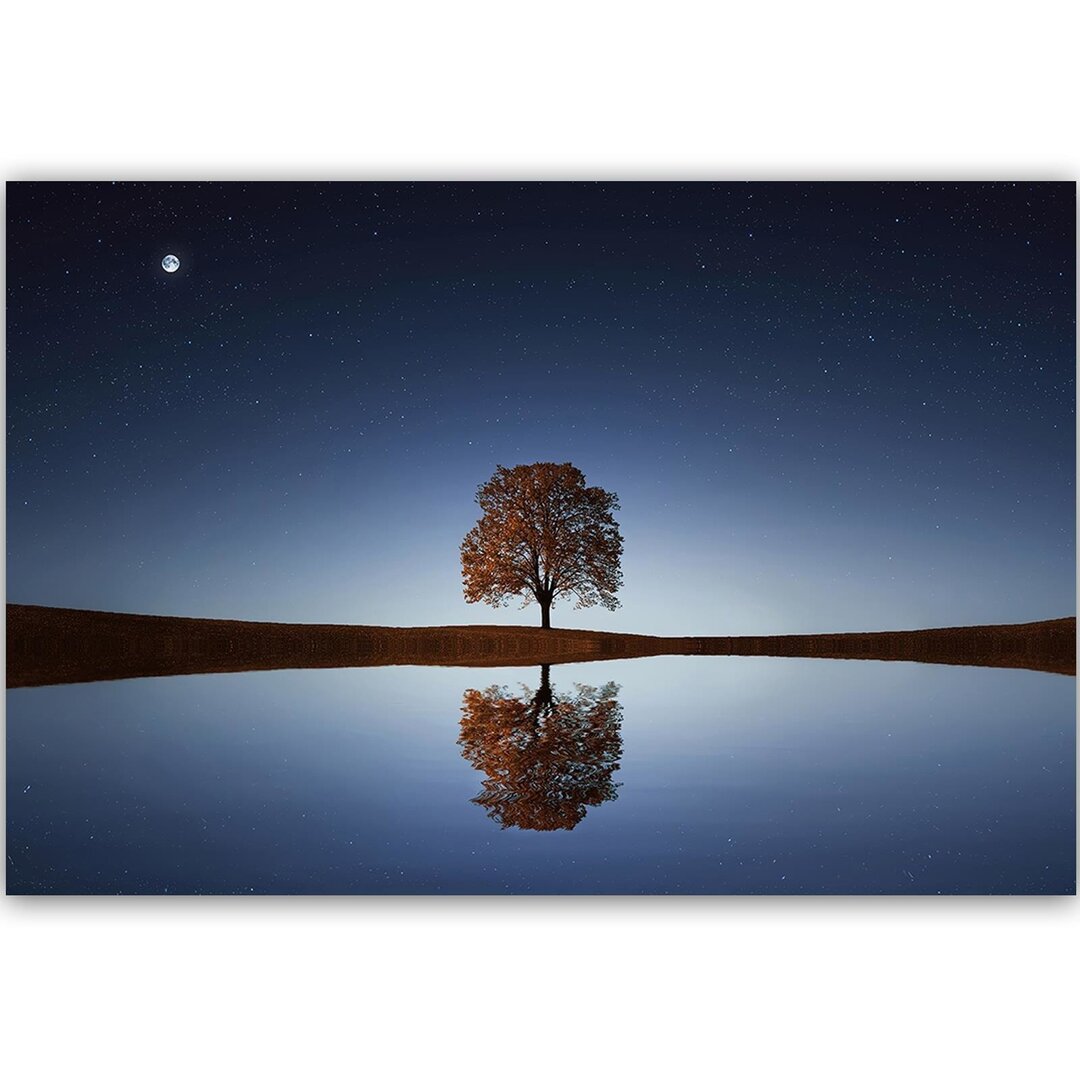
689,775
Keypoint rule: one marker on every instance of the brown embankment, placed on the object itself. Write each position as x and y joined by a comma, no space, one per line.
48,645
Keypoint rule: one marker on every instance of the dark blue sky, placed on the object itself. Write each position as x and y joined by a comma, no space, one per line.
823,406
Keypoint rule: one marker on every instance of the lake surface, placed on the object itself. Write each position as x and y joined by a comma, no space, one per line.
658,775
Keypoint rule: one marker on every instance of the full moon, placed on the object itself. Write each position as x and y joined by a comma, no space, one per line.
170,264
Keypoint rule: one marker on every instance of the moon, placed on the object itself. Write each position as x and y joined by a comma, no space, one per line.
170,264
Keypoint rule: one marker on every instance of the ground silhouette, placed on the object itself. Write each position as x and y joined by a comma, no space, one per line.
47,645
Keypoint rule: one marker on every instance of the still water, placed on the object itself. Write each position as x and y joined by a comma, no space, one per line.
659,775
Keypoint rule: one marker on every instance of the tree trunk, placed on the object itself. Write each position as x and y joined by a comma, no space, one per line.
544,693
545,614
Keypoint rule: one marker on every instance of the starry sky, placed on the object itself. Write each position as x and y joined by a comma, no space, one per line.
823,406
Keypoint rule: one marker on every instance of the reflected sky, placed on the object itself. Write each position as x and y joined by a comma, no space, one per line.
740,775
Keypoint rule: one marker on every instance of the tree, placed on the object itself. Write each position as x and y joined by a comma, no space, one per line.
548,757
543,534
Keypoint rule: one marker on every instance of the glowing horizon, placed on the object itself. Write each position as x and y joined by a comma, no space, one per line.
822,407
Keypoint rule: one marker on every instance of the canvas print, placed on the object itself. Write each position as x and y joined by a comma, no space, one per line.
558,538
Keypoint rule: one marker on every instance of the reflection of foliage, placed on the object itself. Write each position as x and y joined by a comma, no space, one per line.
547,757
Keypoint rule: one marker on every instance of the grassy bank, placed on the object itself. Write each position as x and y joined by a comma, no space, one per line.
48,645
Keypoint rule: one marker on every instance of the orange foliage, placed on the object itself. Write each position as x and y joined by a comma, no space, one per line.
543,534
547,757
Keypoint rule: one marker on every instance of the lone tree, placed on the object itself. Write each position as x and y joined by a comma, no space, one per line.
543,534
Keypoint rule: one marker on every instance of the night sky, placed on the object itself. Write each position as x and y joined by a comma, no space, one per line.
823,406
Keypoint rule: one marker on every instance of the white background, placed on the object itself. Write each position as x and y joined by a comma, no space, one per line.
164,987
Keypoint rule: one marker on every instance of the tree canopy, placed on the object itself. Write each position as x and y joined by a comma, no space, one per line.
543,535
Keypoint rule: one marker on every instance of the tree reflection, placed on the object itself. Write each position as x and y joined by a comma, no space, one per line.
547,757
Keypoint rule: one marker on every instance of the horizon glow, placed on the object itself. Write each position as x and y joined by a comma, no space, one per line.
823,407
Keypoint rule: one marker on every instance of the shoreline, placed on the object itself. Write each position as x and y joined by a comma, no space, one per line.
49,646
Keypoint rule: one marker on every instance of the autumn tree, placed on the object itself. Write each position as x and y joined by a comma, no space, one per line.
547,757
543,535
